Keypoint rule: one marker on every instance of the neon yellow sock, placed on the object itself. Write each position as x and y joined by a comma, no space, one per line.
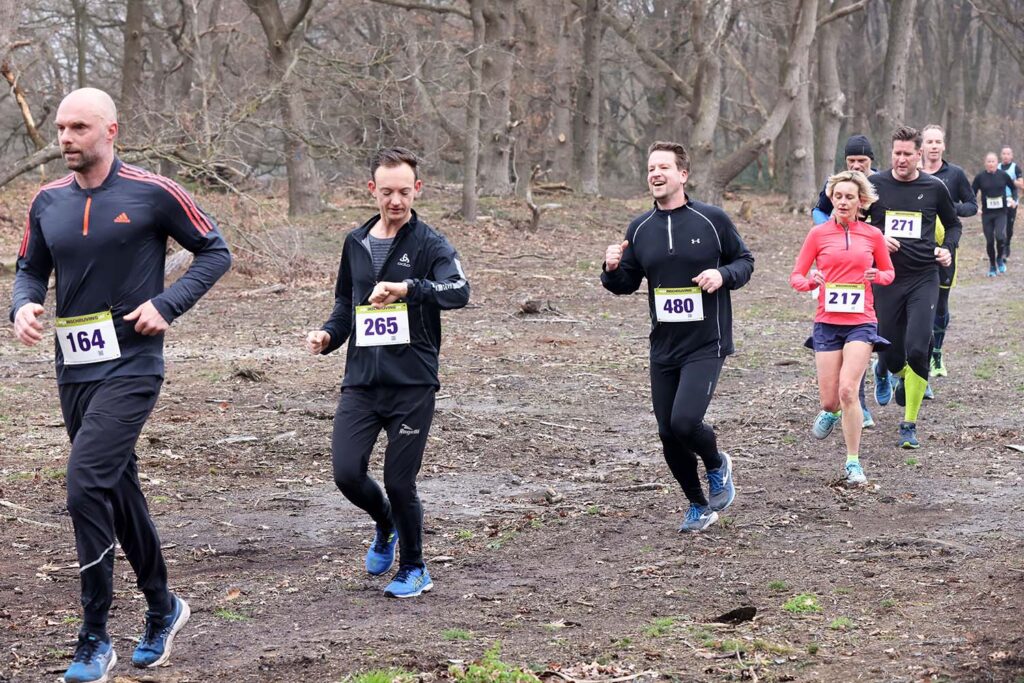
852,458
914,385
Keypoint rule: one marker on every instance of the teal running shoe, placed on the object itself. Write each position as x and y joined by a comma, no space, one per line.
824,423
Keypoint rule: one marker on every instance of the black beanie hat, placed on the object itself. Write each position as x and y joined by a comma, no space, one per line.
859,145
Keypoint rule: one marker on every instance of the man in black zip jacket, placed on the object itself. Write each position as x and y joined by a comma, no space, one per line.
692,257
103,230
933,144
909,203
396,276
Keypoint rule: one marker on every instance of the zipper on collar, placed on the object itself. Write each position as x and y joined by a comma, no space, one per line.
85,216
671,245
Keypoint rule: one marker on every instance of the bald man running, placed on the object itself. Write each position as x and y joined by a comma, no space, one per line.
104,229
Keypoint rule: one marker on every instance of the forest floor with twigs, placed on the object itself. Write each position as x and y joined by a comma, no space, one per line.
550,515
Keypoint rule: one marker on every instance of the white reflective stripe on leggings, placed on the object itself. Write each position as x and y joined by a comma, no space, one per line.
97,560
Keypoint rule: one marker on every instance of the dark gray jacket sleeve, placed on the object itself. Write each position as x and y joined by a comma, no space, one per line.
35,264
446,285
194,230
737,261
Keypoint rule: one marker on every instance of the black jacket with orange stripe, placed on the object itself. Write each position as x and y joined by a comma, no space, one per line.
106,246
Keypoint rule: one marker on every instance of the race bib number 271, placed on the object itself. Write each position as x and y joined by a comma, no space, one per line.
903,224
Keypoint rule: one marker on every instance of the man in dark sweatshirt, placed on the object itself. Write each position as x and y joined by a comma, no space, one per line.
396,276
910,202
998,195
933,145
103,230
692,257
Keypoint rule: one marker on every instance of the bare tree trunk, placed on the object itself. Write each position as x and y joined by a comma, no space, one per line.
131,70
588,101
831,102
495,111
892,109
561,126
81,48
471,151
303,179
802,182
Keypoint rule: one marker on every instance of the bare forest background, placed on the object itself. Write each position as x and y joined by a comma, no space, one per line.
293,95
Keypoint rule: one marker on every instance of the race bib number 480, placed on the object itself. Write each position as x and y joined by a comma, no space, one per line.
678,305
840,298
88,339
903,224
383,326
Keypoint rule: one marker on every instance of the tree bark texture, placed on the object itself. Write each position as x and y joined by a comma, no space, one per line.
892,108
588,101
471,151
495,110
831,102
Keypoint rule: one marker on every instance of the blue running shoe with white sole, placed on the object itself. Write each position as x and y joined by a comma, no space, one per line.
409,582
855,474
883,385
908,435
824,423
720,486
154,646
698,518
991,272
929,395
868,420
93,660
381,553
1001,267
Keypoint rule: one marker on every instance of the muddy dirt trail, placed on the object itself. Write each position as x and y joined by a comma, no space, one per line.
550,516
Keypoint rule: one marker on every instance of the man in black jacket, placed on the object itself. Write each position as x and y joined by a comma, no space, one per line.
933,144
396,275
692,257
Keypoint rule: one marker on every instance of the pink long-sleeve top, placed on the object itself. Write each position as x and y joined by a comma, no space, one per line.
842,255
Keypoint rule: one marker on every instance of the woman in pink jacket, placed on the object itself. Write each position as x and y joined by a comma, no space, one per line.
849,254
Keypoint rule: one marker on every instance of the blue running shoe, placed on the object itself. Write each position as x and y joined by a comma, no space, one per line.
991,272
1001,267
698,518
908,435
868,420
883,386
720,485
381,553
824,423
155,644
94,658
899,391
409,582
928,393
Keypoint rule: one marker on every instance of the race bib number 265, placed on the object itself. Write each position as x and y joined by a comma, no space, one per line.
383,326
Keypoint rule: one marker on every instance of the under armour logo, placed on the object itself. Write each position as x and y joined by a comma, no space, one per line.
404,261
406,430
695,241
